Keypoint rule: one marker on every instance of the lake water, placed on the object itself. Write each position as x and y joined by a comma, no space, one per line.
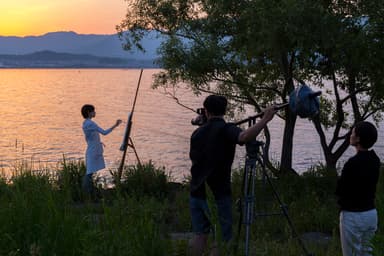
41,121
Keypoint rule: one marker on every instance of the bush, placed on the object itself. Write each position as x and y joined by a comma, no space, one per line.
70,177
145,180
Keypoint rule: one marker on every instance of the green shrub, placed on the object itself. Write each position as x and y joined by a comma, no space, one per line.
70,175
145,180
3,185
37,218
33,217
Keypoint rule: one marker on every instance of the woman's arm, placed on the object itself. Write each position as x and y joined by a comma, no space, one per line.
105,132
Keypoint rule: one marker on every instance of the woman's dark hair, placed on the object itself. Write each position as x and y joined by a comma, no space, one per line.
86,109
216,105
367,134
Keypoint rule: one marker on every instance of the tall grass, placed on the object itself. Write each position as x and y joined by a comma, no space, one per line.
148,180
34,221
69,178
378,241
37,218
45,215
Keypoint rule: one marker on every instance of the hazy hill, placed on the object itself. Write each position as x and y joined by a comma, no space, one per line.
73,43
50,59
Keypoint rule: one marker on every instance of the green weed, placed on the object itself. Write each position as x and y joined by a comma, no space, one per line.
45,215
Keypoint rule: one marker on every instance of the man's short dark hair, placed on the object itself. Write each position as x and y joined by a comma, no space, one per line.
367,134
216,105
86,109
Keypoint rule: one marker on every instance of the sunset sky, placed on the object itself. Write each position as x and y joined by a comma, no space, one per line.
37,17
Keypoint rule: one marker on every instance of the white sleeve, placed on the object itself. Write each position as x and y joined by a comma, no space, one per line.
92,126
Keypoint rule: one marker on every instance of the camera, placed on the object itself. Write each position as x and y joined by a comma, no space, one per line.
201,118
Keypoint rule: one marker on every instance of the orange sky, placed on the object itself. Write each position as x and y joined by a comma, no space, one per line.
37,17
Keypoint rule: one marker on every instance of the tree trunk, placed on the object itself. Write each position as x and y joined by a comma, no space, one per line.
331,157
286,152
290,118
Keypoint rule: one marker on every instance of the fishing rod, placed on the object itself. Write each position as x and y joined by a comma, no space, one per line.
127,141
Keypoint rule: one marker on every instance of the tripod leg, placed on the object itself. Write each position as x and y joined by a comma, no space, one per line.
285,211
239,205
246,207
249,202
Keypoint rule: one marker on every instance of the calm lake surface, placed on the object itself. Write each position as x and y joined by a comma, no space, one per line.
41,121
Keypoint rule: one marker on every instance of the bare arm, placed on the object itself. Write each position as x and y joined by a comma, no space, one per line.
251,133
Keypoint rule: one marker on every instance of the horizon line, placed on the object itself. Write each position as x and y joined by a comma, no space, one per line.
61,31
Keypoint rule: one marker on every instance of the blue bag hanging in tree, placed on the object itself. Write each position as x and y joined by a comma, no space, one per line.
304,102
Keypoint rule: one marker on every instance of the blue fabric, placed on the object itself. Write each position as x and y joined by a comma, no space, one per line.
356,232
304,102
200,215
224,209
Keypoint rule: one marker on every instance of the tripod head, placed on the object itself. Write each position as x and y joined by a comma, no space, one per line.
253,148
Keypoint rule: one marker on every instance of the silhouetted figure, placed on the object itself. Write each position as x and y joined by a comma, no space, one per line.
94,159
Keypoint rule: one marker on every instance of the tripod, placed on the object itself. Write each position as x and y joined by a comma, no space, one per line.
255,169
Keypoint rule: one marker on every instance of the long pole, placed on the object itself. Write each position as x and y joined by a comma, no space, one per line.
253,118
127,139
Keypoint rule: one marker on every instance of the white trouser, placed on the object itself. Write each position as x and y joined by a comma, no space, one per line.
356,232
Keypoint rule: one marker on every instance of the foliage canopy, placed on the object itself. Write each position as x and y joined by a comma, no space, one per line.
255,51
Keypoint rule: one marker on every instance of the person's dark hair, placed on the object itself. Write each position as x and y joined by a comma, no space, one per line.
86,109
216,105
367,134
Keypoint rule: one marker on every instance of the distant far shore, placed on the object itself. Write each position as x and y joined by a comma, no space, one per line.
50,59
79,67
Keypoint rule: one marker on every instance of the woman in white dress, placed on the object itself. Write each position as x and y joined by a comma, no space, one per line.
94,159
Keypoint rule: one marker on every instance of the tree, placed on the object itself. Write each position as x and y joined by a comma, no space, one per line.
249,50
350,52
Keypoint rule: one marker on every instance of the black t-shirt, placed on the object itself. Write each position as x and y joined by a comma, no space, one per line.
356,187
212,151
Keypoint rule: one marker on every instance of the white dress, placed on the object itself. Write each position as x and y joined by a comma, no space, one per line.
94,158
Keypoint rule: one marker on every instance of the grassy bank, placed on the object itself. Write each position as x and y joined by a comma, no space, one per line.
148,215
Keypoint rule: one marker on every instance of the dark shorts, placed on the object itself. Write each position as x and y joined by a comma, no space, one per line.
200,216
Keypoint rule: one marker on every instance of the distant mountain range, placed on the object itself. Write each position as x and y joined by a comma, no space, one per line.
49,59
69,49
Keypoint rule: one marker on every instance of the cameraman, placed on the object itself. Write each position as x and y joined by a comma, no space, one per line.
212,151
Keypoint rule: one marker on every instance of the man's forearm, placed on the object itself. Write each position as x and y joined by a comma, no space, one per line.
251,133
